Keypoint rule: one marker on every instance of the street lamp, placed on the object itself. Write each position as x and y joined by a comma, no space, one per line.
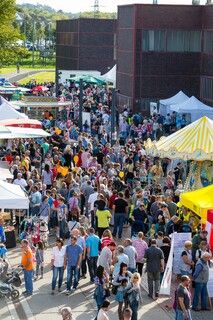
113,116
81,105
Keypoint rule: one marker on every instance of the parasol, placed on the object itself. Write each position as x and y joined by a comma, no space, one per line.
194,142
88,79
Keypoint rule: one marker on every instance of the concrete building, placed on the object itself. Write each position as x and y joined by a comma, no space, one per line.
86,44
162,49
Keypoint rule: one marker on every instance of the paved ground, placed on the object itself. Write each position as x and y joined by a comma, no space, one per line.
42,305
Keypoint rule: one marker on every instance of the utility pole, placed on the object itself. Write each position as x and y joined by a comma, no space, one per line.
96,9
81,106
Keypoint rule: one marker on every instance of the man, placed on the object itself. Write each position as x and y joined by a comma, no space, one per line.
105,258
201,277
35,201
72,260
183,300
92,246
172,225
27,264
120,210
172,206
196,240
20,181
155,265
92,198
130,251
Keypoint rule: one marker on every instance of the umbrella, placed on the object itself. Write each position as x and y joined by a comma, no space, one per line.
87,79
194,142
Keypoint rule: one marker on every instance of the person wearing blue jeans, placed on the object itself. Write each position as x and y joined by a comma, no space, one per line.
28,279
72,260
120,210
58,273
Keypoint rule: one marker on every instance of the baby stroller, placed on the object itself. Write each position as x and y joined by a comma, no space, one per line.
8,281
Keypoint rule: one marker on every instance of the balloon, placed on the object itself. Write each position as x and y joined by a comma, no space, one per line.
76,158
121,174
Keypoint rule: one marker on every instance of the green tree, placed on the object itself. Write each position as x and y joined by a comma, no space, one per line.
10,48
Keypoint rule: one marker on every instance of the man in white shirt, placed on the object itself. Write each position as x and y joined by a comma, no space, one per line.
91,200
20,181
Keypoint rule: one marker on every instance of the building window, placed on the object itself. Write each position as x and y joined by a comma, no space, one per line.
207,88
154,40
171,41
208,41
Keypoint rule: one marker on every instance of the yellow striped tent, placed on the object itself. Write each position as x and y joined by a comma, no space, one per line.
194,142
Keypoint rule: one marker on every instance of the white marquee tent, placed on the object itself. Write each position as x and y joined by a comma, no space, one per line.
8,112
176,99
12,197
194,107
110,76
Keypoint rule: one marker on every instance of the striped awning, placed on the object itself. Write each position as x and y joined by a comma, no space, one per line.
194,142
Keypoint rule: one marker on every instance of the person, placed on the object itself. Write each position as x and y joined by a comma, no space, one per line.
92,246
131,252
103,217
120,258
102,313
105,257
183,300
140,246
47,176
106,238
62,216
2,232
139,218
154,265
66,313
134,295
120,210
201,277
27,265
196,240
127,314
44,210
39,256
72,260
120,281
57,264
101,280
186,263
203,247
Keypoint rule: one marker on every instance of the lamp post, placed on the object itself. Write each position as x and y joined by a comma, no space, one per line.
113,117
81,106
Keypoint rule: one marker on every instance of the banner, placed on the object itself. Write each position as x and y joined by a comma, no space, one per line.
167,277
210,283
179,240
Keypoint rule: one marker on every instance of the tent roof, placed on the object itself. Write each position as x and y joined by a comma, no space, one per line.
8,112
4,171
12,197
110,76
22,123
194,142
199,201
16,132
177,98
191,104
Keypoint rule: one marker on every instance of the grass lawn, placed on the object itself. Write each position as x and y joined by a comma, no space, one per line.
40,77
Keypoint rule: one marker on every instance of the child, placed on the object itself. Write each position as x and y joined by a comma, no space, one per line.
39,255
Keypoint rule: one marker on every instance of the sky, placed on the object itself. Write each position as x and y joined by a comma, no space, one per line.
75,6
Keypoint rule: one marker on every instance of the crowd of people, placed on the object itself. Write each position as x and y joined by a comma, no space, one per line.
110,206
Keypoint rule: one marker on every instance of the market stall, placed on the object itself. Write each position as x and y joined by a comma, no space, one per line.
166,103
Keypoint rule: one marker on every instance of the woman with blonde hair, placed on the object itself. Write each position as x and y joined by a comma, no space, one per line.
134,294
106,238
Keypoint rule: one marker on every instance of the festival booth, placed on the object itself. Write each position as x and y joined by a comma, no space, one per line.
193,107
11,197
110,76
8,112
201,202
165,104
5,173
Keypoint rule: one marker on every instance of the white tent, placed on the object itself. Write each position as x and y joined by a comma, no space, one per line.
194,107
8,112
16,132
4,171
110,76
166,103
12,197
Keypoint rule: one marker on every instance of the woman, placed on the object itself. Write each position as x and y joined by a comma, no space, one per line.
57,264
106,238
83,234
186,263
166,250
102,314
101,280
134,295
121,281
140,246
62,217
44,211
74,205
47,176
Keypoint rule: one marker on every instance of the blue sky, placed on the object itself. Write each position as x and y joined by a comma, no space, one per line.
105,5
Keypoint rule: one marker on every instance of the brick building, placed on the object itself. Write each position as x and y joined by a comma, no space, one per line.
86,44
162,49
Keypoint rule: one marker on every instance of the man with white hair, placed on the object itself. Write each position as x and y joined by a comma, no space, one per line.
201,277
20,181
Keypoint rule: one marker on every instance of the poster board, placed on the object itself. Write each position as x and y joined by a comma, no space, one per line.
167,277
210,283
179,240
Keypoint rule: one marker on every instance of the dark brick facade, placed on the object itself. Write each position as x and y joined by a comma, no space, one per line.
144,76
86,44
